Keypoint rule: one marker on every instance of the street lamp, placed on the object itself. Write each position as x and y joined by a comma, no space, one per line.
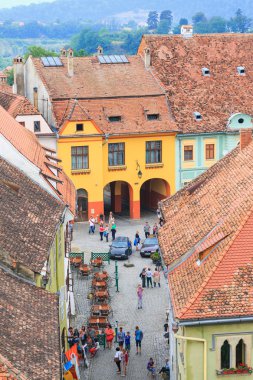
139,169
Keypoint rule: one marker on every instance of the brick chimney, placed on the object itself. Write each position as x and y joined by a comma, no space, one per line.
147,58
245,137
63,52
99,50
70,62
19,83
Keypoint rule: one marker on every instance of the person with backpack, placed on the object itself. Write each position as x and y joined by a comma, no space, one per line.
138,338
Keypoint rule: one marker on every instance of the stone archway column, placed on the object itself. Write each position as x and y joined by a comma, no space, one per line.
135,206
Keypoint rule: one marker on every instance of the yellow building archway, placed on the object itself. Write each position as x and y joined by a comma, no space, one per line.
153,191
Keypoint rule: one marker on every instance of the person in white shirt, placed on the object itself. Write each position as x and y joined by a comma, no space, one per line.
117,359
149,278
92,225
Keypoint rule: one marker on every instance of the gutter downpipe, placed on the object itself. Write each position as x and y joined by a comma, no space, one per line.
216,321
205,350
180,169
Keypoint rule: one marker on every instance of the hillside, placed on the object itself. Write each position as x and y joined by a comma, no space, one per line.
69,10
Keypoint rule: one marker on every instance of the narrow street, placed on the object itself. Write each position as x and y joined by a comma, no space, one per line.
150,319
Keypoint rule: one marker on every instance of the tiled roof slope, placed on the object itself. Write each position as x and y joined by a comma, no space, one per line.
8,371
133,112
177,62
16,104
27,143
29,328
212,216
30,216
94,80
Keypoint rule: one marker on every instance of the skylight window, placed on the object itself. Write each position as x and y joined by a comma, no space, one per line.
114,119
241,70
205,72
51,62
153,116
197,116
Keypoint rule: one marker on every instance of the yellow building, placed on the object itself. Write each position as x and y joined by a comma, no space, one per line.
116,134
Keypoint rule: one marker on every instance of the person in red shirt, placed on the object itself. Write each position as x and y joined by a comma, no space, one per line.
101,230
124,362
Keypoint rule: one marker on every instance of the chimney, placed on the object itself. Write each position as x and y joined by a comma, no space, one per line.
19,83
147,58
245,137
70,62
99,50
63,53
187,31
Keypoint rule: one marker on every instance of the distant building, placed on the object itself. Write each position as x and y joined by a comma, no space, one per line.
208,81
207,244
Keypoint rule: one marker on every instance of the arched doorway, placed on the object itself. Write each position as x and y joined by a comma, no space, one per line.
82,205
153,191
117,198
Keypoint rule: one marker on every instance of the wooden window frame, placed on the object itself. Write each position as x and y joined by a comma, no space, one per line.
188,150
155,151
36,122
78,125
119,149
84,154
209,150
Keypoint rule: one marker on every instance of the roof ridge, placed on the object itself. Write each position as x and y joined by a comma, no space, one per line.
216,265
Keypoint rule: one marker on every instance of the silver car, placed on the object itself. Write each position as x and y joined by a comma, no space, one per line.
149,246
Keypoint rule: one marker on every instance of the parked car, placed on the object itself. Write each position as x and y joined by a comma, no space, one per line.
149,246
120,248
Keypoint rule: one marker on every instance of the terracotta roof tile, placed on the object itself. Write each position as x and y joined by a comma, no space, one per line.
177,63
16,104
8,372
207,241
27,143
25,210
29,352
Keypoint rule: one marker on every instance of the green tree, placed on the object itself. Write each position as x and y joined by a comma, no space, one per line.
152,20
183,21
10,78
199,17
164,27
217,25
240,23
38,51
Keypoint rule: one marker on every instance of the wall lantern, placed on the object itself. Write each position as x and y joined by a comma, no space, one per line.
139,169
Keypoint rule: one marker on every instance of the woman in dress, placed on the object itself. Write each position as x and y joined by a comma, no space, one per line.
109,335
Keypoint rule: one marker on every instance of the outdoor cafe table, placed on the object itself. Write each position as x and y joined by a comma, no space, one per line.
101,276
98,322
101,295
76,261
99,284
100,310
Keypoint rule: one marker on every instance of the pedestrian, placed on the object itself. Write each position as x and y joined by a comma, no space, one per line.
151,366
83,335
101,230
143,277
156,277
91,225
109,335
166,369
147,230
106,232
137,240
128,341
138,338
155,229
113,230
124,362
110,220
117,359
139,296
149,278
121,337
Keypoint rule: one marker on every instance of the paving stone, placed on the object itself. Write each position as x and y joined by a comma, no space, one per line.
124,303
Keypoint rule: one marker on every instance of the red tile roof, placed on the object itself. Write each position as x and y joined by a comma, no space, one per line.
207,244
30,338
133,112
8,372
16,104
32,221
94,80
177,63
27,144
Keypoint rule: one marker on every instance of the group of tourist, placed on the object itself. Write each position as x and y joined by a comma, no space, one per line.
104,228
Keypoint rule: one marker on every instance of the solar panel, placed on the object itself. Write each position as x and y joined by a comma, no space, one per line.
113,59
58,62
107,59
51,61
101,59
45,61
124,58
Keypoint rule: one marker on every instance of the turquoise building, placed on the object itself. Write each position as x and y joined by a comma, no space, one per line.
195,153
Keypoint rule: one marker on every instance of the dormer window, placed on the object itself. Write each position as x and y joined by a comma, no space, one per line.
205,72
79,127
153,116
241,70
114,119
197,116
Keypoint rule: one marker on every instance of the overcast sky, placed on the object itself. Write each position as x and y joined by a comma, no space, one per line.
12,3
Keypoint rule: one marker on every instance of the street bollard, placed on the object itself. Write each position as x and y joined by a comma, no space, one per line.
116,276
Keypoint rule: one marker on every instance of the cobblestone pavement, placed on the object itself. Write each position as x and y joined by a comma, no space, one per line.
150,319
